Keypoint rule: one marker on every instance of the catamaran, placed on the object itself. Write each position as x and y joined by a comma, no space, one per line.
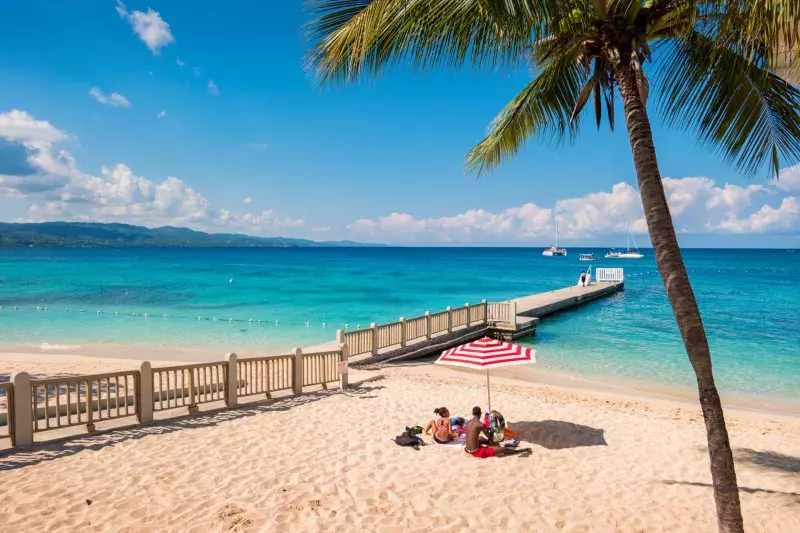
626,254
555,250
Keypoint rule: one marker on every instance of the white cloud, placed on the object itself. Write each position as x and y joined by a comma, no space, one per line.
212,88
179,62
321,229
698,205
16,125
58,190
767,219
789,179
150,27
114,99
161,114
248,200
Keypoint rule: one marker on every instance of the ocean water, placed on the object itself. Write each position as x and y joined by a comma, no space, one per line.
749,299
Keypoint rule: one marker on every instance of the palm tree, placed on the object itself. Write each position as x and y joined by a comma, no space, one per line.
713,73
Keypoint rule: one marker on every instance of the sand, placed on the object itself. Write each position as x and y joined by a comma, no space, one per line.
326,462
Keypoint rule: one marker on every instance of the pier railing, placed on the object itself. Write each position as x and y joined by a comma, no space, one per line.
377,337
609,274
31,406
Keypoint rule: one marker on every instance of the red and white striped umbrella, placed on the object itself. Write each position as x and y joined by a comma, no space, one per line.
485,354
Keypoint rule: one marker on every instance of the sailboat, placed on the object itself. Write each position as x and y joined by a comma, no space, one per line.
555,250
628,253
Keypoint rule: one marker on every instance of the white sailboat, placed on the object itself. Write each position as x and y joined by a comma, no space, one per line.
628,253
555,250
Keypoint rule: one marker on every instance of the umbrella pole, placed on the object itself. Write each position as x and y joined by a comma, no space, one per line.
488,390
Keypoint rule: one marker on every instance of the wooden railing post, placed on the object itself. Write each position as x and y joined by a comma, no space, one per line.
297,380
514,312
340,336
403,332
468,317
145,413
192,407
231,381
485,311
374,338
428,325
89,408
343,375
22,418
449,319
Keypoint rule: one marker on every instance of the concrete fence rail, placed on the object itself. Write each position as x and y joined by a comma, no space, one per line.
34,406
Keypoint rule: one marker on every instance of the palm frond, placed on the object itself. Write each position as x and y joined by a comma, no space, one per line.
358,38
542,109
747,113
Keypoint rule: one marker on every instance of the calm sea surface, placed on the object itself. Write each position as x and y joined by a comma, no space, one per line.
749,299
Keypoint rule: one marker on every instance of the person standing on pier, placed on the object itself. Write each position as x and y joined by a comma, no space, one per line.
583,278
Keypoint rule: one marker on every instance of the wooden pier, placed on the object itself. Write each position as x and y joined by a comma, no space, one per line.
509,320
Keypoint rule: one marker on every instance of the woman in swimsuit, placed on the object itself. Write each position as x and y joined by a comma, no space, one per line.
441,428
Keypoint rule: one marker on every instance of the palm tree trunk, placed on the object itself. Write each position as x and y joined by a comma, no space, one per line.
681,298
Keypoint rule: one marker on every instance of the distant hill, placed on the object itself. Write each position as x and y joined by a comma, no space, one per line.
95,234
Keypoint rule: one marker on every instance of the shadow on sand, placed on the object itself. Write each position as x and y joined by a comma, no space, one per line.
747,490
558,435
766,459
13,458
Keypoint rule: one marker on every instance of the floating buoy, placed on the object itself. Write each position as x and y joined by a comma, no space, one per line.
81,310
230,320
230,280
323,325
198,318
358,326
277,322
67,309
346,326
259,321
147,315
250,320
1,306
14,308
165,315
308,324
215,319
116,313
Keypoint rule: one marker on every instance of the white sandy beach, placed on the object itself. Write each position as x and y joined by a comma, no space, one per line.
326,462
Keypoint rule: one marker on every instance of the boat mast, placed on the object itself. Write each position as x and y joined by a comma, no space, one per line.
556,229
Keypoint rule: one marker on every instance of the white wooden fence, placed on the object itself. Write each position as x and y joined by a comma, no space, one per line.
29,406
609,274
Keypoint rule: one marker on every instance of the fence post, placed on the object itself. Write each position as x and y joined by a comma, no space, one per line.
192,407
297,381
514,312
343,375
23,414
340,336
403,332
449,319
428,325
467,306
232,381
89,409
485,311
374,339
145,413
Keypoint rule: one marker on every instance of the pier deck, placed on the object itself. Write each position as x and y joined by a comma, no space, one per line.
546,303
521,320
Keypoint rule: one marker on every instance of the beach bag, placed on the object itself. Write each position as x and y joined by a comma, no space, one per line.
407,438
496,423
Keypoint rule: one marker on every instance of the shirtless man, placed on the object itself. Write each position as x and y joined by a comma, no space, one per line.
483,448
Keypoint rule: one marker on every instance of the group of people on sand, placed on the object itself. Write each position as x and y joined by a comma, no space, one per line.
446,428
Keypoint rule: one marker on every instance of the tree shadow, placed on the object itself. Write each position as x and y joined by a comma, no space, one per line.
558,435
14,458
747,490
767,459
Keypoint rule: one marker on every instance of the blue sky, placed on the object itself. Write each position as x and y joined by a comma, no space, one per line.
376,161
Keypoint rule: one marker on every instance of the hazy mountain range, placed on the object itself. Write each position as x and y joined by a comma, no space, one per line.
95,234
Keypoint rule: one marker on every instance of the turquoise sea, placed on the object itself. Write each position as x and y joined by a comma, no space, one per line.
749,299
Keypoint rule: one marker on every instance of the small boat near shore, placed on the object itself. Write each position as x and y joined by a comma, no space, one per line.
554,251
588,257
627,253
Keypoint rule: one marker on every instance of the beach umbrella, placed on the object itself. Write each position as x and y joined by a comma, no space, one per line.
485,354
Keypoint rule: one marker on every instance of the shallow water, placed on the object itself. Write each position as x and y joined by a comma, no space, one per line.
748,300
